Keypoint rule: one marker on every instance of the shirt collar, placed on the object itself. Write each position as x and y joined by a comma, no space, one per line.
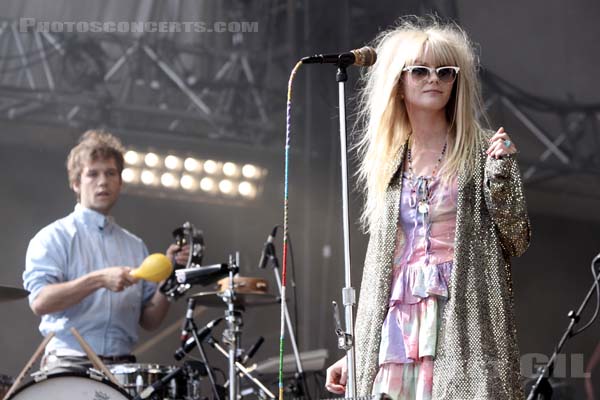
93,218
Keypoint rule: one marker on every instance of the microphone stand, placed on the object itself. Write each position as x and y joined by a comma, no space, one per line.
192,323
541,389
272,258
348,292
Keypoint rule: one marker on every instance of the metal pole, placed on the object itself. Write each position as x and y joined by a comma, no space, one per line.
289,326
233,331
348,293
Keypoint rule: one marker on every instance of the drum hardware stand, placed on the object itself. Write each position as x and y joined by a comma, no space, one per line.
247,372
232,335
272,258
541,389
194,328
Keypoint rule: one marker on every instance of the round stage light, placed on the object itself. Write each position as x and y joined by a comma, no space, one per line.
226,186
247,189
207,184
210,166
191,164
188,182
148,177
168,180
173,162
151,160
231,169
129,175
250,171
132,157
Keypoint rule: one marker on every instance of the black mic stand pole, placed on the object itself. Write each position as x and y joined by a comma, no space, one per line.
192,323
541,390
348,292
275,262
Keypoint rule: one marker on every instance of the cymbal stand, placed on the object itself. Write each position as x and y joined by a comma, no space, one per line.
232,334
247,372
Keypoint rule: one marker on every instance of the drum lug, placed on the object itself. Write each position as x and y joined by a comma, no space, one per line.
39,376
96,375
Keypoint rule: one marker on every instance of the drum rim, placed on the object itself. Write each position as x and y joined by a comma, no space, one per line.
142,366
79,374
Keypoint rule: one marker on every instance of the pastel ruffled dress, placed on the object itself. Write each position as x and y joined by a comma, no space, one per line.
421,274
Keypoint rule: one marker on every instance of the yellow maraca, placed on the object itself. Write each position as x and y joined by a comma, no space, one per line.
156,267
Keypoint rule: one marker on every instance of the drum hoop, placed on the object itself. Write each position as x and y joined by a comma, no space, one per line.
146,367
78,374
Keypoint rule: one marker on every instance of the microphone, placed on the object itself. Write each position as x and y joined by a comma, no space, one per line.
191,342
252,350
202,275
363,57
146,393
189,315
267,249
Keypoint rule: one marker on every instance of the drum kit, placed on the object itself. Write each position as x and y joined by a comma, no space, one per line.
189,381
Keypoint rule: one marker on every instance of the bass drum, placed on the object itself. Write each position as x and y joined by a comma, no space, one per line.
70,386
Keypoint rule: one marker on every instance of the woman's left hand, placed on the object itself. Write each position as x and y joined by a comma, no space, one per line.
501,145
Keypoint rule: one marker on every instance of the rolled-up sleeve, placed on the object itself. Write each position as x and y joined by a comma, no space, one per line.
44,263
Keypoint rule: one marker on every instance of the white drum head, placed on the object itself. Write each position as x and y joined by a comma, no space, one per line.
69,386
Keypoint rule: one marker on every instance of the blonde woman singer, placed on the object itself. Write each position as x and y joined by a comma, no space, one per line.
445,211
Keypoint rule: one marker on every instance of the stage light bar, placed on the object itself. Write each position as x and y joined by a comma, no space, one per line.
191,177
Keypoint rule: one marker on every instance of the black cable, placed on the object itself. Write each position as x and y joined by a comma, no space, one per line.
597,287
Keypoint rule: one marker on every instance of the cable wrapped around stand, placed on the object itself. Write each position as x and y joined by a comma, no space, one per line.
288,132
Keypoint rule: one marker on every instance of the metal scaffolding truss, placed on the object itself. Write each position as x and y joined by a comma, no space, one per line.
566,143
223,89
228,87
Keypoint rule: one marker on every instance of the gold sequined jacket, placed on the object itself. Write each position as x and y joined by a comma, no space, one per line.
477,357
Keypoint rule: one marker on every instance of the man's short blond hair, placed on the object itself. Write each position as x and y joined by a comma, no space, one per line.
94,145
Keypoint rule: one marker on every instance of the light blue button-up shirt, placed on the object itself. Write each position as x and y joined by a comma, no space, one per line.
82,242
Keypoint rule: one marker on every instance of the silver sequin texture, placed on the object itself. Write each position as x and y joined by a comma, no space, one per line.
477,354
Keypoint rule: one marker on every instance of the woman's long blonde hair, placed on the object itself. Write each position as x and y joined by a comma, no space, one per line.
382,118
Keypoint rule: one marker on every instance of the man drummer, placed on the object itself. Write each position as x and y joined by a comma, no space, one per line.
78,268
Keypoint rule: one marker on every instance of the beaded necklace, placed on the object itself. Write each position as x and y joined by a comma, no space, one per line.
423,182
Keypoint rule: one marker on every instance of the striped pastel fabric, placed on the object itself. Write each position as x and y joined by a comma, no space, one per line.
421,276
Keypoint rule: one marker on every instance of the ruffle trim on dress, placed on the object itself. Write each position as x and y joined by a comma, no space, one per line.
412,283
